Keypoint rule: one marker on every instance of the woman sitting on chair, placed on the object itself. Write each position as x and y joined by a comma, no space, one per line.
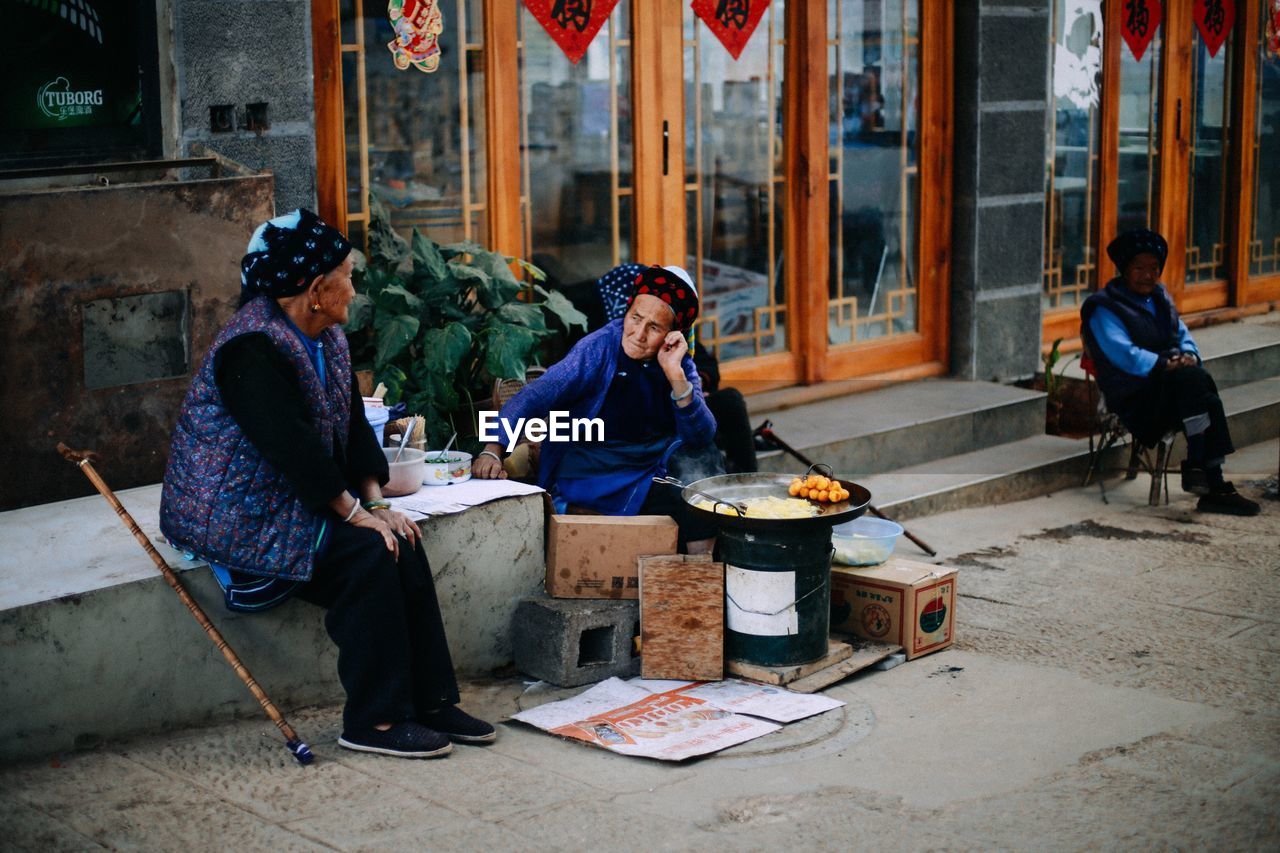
1149,371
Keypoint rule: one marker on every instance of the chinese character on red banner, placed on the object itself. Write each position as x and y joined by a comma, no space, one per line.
1139,23
571,23
1214,19
418,25
732,21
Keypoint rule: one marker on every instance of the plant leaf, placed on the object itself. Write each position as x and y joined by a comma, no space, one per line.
426,257
508,349
394,335
557,303
398,291
444,348
360,314
535,272
524,314
464,247
394,378
386,247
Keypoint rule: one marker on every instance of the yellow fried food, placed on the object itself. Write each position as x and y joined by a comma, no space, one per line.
767,507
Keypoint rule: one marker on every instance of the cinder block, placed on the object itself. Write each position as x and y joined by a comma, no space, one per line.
569,642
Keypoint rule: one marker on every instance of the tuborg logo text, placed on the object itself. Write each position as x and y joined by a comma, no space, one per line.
57,100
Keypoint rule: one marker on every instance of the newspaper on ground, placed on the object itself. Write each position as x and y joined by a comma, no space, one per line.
746,697
456,497
630,720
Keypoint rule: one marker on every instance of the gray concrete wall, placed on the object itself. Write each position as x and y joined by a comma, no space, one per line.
1001,101
239,52
128,658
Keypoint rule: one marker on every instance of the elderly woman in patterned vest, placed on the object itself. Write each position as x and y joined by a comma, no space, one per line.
275,479
1149,371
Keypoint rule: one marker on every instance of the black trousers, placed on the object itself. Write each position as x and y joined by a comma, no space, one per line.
733,430
1169,399
393,658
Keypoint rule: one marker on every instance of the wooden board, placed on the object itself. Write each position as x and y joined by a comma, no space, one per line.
859,655
681,618
782,675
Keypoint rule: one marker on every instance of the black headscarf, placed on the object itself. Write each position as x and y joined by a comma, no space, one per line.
286,253
674,287
1123,249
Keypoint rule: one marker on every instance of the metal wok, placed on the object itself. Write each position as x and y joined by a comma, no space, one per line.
737,487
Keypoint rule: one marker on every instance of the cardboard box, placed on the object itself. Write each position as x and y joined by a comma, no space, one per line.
901,601
594,556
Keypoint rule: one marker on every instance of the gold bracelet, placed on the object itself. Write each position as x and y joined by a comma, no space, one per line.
381,503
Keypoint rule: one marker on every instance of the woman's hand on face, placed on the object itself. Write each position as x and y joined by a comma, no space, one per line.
671,353
486,467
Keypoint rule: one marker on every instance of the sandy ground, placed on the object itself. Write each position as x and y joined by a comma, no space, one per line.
1114,685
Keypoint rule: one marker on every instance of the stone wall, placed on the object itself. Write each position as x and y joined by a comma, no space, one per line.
231,53
1001,92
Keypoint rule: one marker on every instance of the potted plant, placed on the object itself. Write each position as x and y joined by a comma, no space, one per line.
438,324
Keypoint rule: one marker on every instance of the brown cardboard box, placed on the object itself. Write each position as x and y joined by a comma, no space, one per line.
594,556
900,601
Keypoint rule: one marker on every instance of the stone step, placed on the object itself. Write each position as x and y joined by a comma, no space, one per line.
95,645
903,425
1235,353
1045,463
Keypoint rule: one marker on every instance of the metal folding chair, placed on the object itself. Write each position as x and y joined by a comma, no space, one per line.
1108,431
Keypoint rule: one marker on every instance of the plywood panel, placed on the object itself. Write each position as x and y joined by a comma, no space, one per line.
682,618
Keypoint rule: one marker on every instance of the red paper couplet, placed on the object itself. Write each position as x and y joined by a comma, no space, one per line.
1273,28
732,21
572,24
1139,23
1214,19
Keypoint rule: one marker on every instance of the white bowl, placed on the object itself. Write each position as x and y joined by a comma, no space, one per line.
452,467
865,541
407,474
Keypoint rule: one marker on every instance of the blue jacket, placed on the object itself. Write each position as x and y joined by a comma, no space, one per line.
1154,331
578,384
221,500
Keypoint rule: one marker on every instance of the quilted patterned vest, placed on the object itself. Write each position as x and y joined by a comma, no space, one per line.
221,500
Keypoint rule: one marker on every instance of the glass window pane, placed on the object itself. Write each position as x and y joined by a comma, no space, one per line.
875,79
736,186
1138,172
1210,138
415,140
1264,249
1072,168
576,153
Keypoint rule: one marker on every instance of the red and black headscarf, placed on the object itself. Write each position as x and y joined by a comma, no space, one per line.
673,286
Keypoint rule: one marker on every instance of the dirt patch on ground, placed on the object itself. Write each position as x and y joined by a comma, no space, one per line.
1094,530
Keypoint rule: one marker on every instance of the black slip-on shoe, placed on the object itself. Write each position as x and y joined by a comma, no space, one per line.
1228,502
403,740
1194,479
460,726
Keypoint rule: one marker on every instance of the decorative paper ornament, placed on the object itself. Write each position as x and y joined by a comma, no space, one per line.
418,25
732,21
1273,28
572,24
1139,23
1214,19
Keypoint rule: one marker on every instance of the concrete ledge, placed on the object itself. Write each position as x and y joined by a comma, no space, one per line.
94,644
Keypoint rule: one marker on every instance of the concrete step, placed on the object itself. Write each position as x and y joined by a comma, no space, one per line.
1235,353
94,644
904,425
1045,463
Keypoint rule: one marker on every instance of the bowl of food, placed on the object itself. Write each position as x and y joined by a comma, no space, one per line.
406,474
445,467
865,541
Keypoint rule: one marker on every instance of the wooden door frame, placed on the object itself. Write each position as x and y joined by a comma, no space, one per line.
660,194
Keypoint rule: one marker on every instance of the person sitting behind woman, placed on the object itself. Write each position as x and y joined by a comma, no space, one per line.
274,478
636,376
1149,369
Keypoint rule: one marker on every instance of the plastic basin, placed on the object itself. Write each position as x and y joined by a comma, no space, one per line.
865,541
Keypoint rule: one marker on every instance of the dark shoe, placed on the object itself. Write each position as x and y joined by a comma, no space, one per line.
459,725
1194,479
403,740
1228,501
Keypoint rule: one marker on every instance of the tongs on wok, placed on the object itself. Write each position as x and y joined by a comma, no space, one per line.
739,508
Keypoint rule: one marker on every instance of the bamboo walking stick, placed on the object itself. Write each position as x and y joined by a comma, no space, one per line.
765,431
84,459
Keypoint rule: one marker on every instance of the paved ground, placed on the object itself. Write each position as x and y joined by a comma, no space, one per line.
1114,686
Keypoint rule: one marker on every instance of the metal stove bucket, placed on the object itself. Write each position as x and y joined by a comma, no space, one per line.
777,571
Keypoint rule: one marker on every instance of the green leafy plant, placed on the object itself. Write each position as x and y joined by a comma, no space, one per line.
438,324
1053,385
